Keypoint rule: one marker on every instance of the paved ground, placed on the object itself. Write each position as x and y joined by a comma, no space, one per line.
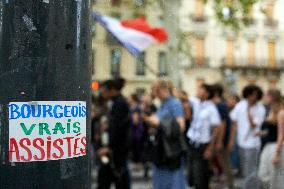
138,182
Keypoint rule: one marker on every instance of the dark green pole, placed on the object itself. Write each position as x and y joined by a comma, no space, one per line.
44,56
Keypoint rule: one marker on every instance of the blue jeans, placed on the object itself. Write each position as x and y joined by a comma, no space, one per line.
235,160
164,178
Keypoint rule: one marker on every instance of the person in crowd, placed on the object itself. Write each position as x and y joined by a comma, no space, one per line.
137,129
98,110
119,125
148,108
248,116
187,109
202,136
168,172
231,102
94,132
147,105
272,157
268,131
224,133
102,141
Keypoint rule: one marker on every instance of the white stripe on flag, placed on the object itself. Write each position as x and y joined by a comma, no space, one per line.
137,39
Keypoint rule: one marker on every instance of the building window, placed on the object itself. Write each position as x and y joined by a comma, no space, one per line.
250,15
272,84
140,91
271,54
115,14
110,39
199,9
252,81
250,12
230,52
199,82
161,21
93,62
200,50
139,3
140,64
269,12
163,66
115,62
115,2
94,29
251,52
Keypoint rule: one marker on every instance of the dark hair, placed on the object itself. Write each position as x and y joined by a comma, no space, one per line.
183,92
236,97
166,84
135,97
117,84
218,90
209,89
250,89
276,95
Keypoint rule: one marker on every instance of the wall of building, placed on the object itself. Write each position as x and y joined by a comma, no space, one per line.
217,49
102,48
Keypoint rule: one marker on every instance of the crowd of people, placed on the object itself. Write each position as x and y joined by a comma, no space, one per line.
187,140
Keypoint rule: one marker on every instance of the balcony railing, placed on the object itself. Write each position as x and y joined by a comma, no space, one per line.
271,23
259,64
200,62
196,18
251,22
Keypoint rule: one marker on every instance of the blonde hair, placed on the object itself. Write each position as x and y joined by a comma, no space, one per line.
276,103
166,84
275,94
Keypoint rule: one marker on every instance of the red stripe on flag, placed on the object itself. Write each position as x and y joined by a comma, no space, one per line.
141,25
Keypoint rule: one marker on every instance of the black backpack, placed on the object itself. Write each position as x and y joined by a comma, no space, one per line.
170,145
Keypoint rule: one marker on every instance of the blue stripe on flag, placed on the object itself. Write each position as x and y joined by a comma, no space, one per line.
134,51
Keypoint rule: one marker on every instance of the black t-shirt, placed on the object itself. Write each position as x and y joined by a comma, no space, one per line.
223,110
119,128
271,130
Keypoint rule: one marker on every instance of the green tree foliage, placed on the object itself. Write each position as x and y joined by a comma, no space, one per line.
234,13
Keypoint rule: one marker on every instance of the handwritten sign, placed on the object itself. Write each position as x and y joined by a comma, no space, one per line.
46,130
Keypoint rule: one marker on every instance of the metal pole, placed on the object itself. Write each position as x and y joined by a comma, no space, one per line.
44,56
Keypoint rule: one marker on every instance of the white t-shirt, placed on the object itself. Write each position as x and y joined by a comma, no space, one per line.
205,118
246,137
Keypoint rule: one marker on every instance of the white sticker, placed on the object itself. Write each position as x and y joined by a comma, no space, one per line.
45,1
46,130
29,23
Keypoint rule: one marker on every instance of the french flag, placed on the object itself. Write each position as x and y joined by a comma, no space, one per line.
135,35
